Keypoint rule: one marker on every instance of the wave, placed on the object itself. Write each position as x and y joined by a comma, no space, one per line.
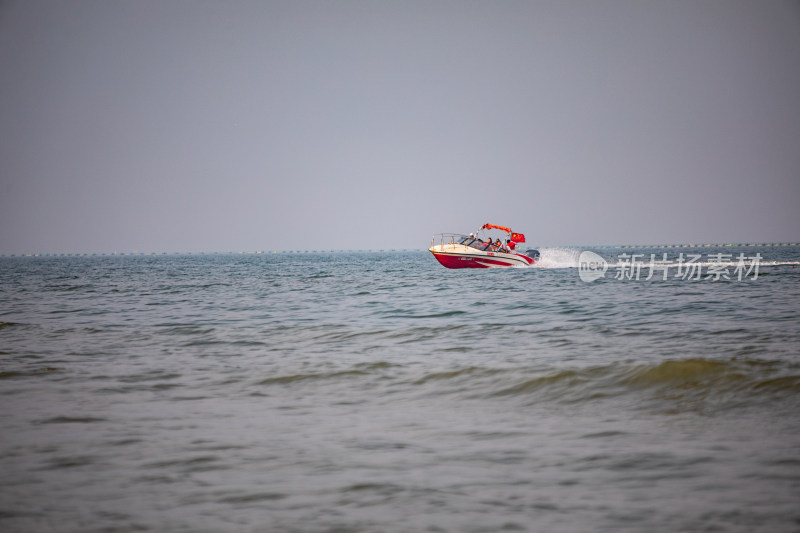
672,385
309,377
677,385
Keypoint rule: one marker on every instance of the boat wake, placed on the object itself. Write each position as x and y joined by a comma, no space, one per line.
559,257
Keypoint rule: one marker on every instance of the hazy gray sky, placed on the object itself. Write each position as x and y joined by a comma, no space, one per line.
232,125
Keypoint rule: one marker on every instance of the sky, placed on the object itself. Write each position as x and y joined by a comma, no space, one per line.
151,125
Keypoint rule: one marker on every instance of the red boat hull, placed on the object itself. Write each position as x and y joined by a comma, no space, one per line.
480,261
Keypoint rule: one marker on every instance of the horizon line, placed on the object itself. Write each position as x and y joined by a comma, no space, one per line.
378,250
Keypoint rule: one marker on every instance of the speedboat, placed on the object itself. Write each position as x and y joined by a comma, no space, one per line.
454,250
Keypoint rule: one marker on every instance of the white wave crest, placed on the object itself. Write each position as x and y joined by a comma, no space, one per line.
558,258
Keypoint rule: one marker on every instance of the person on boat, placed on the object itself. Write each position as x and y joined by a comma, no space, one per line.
510,244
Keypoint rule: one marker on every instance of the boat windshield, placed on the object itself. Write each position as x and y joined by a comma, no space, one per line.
478,244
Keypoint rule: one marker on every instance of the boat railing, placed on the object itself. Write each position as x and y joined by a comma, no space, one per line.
446,238
457,238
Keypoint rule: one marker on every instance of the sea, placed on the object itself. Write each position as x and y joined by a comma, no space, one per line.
380,392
